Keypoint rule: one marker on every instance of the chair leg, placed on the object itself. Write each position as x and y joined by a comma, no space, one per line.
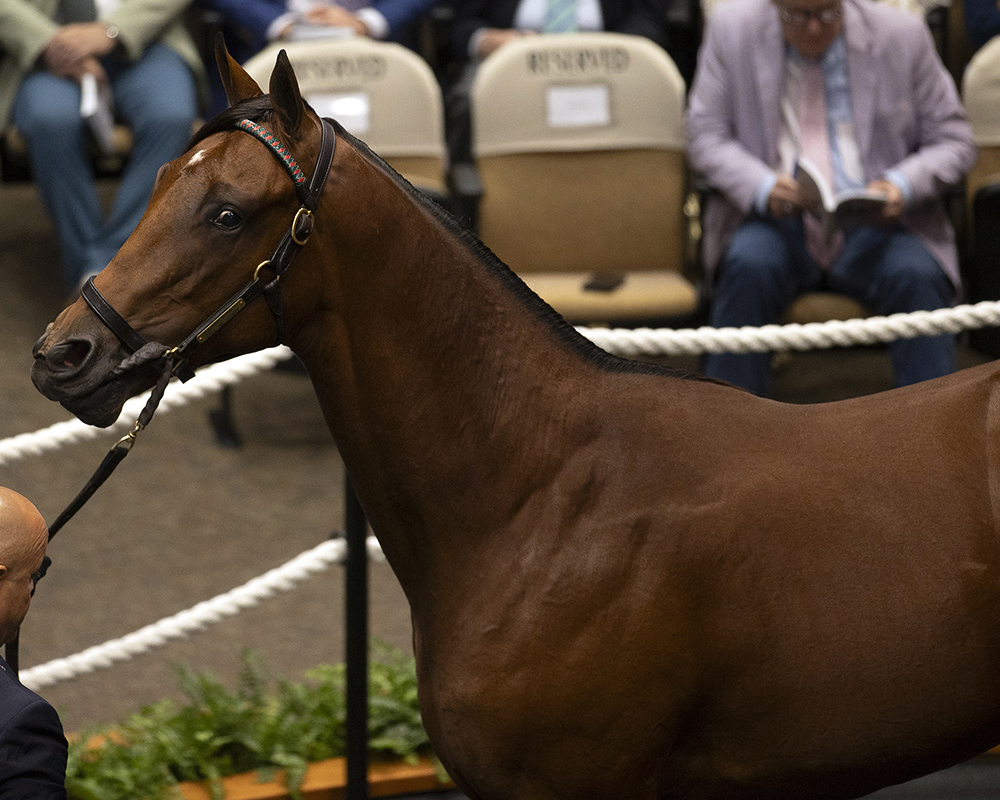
222,421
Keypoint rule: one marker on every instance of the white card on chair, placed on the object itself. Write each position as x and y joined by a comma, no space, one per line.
578,106
352,110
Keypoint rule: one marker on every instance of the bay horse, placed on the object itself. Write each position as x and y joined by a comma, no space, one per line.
625,581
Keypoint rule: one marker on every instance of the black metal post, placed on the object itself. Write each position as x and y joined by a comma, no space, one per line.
356,604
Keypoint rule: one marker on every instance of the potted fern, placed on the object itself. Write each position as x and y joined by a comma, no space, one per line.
272,734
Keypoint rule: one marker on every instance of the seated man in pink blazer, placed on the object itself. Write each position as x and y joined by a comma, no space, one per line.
858,86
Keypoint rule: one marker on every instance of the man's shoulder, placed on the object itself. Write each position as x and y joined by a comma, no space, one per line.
14,696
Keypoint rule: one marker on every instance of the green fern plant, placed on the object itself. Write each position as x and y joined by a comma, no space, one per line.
267,723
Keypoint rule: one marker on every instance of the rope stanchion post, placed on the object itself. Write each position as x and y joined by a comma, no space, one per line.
356,650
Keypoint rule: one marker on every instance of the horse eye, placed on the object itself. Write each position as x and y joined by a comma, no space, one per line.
228,219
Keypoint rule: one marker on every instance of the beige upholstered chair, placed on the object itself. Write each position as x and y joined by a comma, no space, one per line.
14,166
383,93
578,141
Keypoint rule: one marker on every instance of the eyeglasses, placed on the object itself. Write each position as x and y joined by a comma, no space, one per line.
800,17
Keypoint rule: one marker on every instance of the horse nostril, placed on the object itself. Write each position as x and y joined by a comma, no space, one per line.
69,355
78,351
41,341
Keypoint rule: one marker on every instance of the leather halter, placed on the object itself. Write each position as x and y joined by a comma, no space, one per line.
177,357
296,236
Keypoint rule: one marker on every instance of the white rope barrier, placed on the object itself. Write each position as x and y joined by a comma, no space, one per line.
836,333
207,381
196,618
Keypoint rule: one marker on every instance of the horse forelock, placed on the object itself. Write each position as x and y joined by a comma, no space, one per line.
256,109
259,109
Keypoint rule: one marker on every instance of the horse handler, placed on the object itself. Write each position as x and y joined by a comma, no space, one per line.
32,745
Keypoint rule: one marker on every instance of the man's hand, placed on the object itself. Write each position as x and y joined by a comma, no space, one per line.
892,210
784,198
75,48
82,39
336,17
89,66
75,70
495,38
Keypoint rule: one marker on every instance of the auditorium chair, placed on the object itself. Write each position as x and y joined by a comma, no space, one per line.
578,148
15,166
382,92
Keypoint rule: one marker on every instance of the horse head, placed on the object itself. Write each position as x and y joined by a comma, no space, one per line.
215,217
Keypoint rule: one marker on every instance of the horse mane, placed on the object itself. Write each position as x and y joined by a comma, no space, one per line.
259,110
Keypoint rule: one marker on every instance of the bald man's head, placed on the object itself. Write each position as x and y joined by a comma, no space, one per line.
23,539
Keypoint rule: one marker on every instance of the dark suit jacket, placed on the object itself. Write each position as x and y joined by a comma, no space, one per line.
32,745
639,17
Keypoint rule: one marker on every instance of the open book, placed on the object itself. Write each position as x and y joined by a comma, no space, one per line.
96,110
819,199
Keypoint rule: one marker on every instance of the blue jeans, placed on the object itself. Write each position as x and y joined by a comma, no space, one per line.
886,268
156,97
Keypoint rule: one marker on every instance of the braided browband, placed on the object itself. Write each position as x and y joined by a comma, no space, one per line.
279,149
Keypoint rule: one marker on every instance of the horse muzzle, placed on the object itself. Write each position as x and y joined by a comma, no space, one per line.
75,371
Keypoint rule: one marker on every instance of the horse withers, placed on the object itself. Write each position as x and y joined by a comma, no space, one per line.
624,581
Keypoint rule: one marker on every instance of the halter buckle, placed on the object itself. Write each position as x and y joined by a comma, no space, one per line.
260,266
302,226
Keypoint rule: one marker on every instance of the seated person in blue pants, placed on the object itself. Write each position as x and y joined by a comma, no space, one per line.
141,50
858,87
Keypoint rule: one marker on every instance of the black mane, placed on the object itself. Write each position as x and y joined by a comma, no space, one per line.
259,109
256,109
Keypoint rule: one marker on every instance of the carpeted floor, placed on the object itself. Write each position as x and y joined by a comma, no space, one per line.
185,519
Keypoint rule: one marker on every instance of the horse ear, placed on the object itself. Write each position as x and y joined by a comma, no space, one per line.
235,80
286,99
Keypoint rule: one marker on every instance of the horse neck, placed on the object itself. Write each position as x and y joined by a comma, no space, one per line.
437,381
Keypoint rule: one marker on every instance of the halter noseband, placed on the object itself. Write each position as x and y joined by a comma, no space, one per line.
296,236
